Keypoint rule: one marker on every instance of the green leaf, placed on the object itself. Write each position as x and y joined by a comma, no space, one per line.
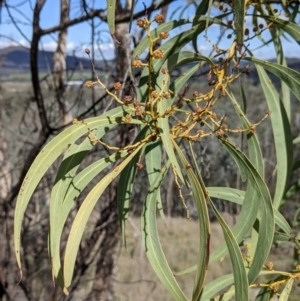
239,271
280,236
177,42
163,124
251,195
60,201
255,154
285,294
256,159
66,172
251,200
296,165
215,286
46,157
185,57
239,18
287,75
186,271
291,28
296,217
152,245
243,97
227,193
292,190
49,154
204,224
84,213
153,153
237,196
175,60
257,13
77,185
182,11
170,47
125,185
168,26
111,11
265,211
264,294
202,9
181,58
286,99
282,136
131,13
296,140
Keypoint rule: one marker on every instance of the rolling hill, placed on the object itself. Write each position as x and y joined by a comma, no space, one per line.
15,60
15,63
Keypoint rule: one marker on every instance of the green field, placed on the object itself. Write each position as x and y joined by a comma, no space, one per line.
26,77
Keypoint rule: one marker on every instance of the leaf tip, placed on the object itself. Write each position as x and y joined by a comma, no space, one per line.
114,38
21,275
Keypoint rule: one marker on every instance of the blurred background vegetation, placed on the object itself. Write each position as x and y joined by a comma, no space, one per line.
41,91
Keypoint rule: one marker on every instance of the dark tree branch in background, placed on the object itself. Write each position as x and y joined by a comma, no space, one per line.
13,40
15,23
59,64
42,100
45,130
34,65
1,4
288,2
49,122
275,1
100,13
37,33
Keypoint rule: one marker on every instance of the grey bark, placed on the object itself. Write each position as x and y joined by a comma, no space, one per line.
59,64
104,284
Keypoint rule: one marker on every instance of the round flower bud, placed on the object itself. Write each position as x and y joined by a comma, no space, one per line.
127,118
158,54
117,86
140,23
164,35
127,99
166,95
154,94
139,111
164,70
159,18
89,84
137,64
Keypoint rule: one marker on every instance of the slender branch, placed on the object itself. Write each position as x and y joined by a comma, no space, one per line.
34,64
100,13
15,23
45,131
14,41
288,2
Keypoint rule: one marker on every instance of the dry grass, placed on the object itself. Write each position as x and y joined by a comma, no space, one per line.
135,280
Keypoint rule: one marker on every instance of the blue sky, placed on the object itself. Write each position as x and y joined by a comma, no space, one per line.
80,35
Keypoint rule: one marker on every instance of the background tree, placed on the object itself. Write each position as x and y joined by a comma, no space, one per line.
104,234
51,109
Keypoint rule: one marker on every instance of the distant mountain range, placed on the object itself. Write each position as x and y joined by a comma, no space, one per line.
16,59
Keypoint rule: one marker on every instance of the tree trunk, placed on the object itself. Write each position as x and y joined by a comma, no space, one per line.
59,64
8,289
104,285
